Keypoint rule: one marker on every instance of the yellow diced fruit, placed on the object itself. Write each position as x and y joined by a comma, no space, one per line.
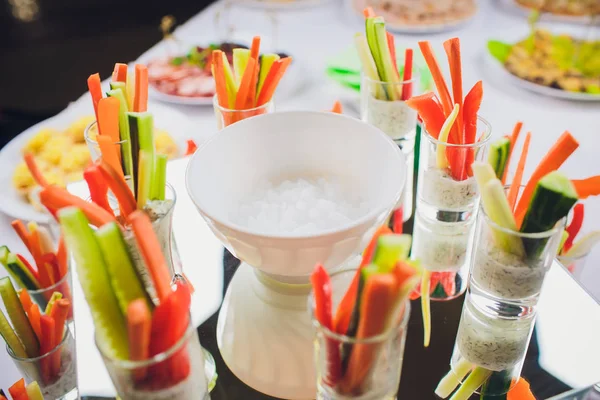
165,144
76,130
35,144
77,158
22,178
54,149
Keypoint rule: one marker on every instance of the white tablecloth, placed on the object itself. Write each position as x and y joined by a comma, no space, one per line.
312,36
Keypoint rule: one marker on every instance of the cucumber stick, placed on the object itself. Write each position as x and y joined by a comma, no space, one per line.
141,128
453,378
388,74
266,62
144,179
93,276
552,199
123,129
17,271
10,337
476,378
496,385
160,178
19,319
368,64
122,274
240,60
498,156
441,159
390,249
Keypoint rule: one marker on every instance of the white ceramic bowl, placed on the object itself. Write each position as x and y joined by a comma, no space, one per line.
288,145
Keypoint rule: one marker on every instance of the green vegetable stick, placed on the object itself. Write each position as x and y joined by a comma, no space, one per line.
498,210
372,41
473,382
240,60
19,320
498,156
121,271
390,249
34,392
368,64
55,296
453,378
145,173
119,85
266,62
10,337
388,74
563,239
17,271
230,82
141,127
109,322
441,159
160,178
425,307
124,132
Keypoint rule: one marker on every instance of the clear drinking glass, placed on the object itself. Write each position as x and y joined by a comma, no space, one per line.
510,266
493,342
380,371
90,134
382,106
63,286
55,371
226,116
177,373
575,265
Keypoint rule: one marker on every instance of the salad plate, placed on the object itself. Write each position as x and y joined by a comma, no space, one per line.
520,7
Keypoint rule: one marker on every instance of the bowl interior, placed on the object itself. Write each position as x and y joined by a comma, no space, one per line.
291,145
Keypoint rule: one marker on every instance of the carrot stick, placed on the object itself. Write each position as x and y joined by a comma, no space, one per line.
56,198
219,75
377,302
452,47
62,257
97,186
513,141
254,53
513,192
242,95
110,153
407,74
556,156
521,391
337,107
587,187
120,73
344,310
437,76
368,12
38,177
59,313
95,88
139,324
430,112
272,80
151,252
462,159
47,343
117,184
108,118
23,233
34,315
140,99
391,41
25,299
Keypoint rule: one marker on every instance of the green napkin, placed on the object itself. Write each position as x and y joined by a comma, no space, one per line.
345,67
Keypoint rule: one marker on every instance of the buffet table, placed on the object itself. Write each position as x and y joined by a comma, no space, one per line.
568,314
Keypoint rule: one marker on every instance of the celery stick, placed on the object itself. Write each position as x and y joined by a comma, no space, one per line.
10,337
425,307
240,60
230,83
17,316
92,271
144,179
453,378
498,210
160,178
483,172
266,61
33,391
121,272
119,85
124,129
388,74
442,161
372,41
368,64
55,296
473,382
141,127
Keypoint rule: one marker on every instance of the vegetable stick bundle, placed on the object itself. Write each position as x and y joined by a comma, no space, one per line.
377,53
129,326
370,307
455,113
48,269
34,332
20,391
252,81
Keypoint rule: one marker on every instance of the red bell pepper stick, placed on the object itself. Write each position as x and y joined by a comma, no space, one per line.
27,265
191,147
322,293
391,41
98,187
448,281
17,390
430,111
575,226
397,220
407,74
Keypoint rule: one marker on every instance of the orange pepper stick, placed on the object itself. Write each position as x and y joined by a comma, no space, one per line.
587,187
438,78
56,198
272,80
254,53
139,323
521,391
38,177
117,184
513,192
337,107
151,252
513,141
120,73
242,95
17,390
377,303
556,156
140,99
430,111
95,88
23,233
59,313
97,186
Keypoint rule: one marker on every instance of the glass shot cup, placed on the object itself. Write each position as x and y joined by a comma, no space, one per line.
574,265
227,116
369,368
55,371
64,286
177,373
